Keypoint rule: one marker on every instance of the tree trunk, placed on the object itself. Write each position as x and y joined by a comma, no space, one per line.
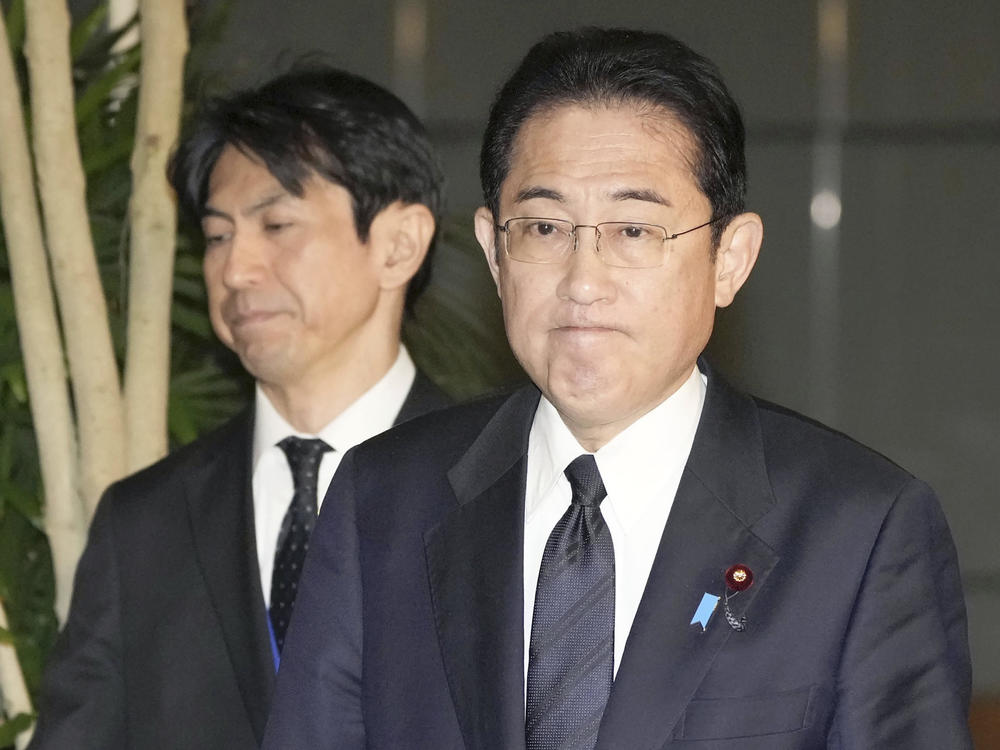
153,227
41,348
74,478
97,394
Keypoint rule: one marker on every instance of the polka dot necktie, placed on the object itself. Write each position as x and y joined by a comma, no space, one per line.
304,456
571,651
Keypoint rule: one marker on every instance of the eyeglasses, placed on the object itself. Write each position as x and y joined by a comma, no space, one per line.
622,244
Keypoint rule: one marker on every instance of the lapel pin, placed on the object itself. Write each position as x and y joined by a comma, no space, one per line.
738,578
705,609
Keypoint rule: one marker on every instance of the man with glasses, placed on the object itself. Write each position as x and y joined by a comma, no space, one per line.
630,553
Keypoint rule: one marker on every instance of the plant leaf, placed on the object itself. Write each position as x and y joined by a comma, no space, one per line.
85,30
10,729
14,22
99,89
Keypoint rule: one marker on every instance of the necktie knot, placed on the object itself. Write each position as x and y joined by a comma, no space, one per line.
585,479
304,456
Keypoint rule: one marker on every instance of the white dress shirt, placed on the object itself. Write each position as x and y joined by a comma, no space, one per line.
374,412
641,468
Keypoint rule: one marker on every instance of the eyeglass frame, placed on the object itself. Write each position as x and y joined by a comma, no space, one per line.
597,238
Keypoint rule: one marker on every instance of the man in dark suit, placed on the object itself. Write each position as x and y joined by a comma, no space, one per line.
319,197
630,554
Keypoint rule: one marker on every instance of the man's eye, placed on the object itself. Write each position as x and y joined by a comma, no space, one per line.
276,226
211,240
634,232
542,229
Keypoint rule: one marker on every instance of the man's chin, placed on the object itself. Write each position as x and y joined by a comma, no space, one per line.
589,402
268,362
587,381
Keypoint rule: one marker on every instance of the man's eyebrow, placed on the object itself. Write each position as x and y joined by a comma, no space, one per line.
257,207
267,200
538,192
208,211
639,194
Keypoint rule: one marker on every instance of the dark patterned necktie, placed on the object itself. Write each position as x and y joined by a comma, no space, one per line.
304,456
571,652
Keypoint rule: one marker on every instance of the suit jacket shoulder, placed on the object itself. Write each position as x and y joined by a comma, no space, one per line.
167,619
857,594
444,425
424,397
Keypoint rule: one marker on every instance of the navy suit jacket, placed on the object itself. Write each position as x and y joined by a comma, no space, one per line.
409,623
167,643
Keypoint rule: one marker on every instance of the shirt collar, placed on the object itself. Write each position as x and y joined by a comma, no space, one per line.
373,412
635,461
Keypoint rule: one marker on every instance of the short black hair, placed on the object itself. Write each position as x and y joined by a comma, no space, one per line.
323,121
615,67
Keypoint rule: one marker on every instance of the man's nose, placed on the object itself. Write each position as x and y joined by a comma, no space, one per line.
246,263
586,279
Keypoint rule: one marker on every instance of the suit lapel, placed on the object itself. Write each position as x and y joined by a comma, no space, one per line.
220,505
724,489
475,565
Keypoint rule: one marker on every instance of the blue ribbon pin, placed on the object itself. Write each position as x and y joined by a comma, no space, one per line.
705,609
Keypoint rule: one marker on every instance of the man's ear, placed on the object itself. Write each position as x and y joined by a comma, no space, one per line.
738,249
403,234
486,233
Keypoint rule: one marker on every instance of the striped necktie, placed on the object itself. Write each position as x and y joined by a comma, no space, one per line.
571,651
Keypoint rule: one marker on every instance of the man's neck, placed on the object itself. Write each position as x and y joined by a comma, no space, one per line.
309,405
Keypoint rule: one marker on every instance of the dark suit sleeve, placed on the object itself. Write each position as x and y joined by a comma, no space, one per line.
905,674
317,702
83,691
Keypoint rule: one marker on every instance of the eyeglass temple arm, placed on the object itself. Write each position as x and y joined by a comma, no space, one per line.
692,229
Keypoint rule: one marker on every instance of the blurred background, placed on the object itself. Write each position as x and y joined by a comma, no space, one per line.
874,153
